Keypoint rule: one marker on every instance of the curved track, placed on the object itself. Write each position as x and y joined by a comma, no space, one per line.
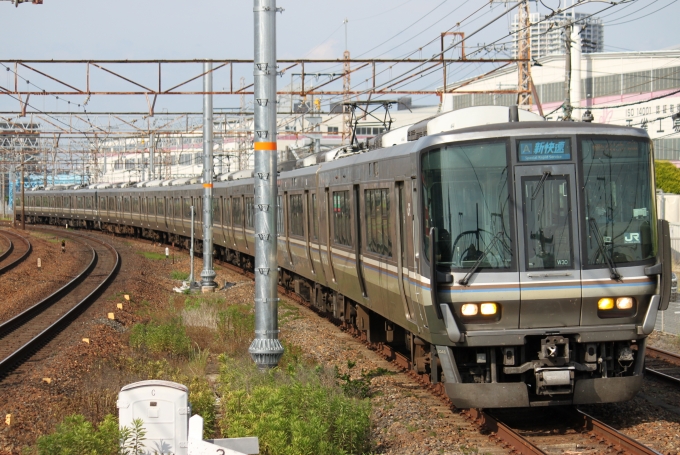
663,364
19,249
30,330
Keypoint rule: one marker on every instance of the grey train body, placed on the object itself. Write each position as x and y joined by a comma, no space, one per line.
518,315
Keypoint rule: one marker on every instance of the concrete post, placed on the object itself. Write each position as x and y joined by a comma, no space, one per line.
567,107
208,274
266,349
152,157
576,79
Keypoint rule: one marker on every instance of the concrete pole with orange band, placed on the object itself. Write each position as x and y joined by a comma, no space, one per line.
266,349
207,274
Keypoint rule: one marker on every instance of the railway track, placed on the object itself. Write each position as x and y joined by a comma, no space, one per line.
663,364
28,331
573,432
19,249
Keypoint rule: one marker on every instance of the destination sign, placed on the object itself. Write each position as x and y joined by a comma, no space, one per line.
544,150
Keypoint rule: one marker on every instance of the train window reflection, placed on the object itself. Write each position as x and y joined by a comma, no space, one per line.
466,197
618,197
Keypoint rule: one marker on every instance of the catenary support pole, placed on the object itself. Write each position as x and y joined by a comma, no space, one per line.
567,108
191,250
23,213
266,349
152,157
207,274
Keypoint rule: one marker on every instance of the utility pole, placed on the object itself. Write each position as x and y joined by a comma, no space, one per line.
266,349
567,108
524,52
207,274
23,213
346,87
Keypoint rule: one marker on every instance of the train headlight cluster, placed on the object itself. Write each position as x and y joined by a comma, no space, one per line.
473,309
620,303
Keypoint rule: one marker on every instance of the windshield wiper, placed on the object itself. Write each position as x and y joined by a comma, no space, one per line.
603,250
544,177
464,281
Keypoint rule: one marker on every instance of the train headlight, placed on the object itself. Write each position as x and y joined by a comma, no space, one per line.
605,303
625,303
488,308
469,309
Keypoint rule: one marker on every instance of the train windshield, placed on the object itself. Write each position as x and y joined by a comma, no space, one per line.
619,200
465,196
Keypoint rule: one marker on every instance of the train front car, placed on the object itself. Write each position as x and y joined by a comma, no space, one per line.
549,274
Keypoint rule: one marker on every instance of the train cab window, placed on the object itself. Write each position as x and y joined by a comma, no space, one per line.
250,222
547,218
377,219
466,197
342,222
79,202
619,201
216,210
280,220
237,212
314,216
296,215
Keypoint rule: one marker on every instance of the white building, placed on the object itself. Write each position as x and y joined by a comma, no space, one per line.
639,89
547,35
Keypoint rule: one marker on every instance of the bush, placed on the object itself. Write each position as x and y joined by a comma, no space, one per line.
202,399
667,177
302,412
161,338
75,435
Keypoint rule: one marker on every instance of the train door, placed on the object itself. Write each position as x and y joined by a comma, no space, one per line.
309,228
358,247
405,257
549,262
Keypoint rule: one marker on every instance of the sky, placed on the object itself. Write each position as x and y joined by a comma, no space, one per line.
171,29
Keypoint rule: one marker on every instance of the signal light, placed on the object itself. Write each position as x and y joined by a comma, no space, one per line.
605,303
488,308
625,303
469,309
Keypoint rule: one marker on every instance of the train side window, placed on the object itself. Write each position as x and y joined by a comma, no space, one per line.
119,203
342,233
102,203
160,206
279,215
249,213
135,204
176,206
377,219
227,211
217,213
45,202
187,208
51,202
38,201
296,223
126,204
88,203
314,218
236,206
144,202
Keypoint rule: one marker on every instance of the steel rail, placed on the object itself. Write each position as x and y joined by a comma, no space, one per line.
10,250
625,443
10,362
661,354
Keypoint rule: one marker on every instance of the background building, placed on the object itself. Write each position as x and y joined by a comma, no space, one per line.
547,35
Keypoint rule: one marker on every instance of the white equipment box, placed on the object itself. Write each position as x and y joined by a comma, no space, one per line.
164,408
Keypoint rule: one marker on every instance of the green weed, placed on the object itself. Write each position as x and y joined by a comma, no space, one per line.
161,338
152,256
179,275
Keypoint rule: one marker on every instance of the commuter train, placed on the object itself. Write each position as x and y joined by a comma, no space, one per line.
517,261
